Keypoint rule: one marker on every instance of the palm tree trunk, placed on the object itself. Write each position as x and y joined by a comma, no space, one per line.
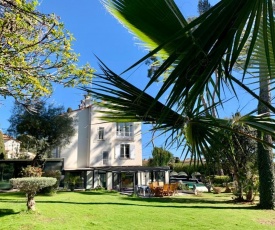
265,155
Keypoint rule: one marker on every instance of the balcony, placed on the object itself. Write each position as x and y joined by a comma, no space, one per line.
124,135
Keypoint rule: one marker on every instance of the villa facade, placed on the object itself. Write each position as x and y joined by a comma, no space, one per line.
12,146
106,154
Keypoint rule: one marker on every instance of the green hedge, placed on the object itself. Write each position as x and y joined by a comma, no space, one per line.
218,180
51,190
32,184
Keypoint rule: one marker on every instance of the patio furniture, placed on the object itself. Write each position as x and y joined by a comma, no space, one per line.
166,189
155,184
158,192
142,188
152,189
173,188
161,183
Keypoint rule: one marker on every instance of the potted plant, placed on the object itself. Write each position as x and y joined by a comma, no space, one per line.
72,180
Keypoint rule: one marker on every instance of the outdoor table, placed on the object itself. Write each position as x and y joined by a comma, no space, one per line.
158,191
143,187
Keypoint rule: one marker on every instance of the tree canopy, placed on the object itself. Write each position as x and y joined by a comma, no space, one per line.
50,127
161,157
35,52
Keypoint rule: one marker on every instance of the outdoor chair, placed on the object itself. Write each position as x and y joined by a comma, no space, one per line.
161,183
155,184
166,189
173,188
152,189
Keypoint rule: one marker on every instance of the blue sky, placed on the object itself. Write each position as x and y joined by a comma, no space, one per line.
98,33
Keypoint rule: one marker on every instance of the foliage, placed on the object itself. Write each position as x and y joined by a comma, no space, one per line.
218,180
188,168
203,6
51,190
225,29
30,186
239,152
72,180
31,171
176,159
35,52
38,131
161,157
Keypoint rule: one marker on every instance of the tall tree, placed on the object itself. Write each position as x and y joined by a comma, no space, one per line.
161,157
43,131
211,42
35,52
239,152
203,6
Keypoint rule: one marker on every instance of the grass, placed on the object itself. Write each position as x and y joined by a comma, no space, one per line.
110,210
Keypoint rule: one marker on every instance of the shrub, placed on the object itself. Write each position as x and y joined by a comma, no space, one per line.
31,185
51,190
218,180
31,171
72,180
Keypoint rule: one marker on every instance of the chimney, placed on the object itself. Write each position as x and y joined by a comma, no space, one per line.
87,100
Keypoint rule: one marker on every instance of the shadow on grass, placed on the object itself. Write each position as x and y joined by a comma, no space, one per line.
170,202
5,212
100,192
184,200
151,205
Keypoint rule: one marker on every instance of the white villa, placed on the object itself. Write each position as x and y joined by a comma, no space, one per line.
106,154
12,146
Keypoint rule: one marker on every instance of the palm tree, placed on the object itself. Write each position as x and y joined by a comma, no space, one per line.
193,51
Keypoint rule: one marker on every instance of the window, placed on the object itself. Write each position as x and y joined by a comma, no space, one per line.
105,158
124,129
101,133
125,151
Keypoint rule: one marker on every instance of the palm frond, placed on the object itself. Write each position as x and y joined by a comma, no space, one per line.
196,50
143,17
200,131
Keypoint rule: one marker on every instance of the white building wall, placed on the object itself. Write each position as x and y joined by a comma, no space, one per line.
110,142
12,148
73,151
86,150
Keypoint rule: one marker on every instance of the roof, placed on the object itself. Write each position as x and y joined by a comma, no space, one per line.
123,169
7,138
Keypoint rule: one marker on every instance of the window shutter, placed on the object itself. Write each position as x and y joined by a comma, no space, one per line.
117,151
132,152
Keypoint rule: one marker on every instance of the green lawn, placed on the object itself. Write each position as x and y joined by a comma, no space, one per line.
109,210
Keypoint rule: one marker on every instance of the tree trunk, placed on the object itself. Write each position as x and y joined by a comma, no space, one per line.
30,202
239,186
265,155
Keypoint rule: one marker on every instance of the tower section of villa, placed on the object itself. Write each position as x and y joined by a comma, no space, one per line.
98,147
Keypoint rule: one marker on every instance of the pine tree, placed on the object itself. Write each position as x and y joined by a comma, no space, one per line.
203,6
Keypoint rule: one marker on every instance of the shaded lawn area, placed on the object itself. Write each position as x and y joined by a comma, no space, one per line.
110,210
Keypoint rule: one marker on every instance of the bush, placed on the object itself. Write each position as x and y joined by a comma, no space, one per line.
218,180
31,185
186,167
31,171
72,180
51,190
